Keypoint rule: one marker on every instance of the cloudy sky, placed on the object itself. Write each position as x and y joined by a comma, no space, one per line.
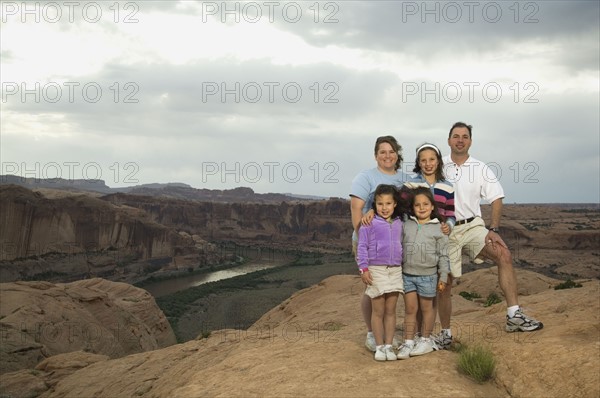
290,96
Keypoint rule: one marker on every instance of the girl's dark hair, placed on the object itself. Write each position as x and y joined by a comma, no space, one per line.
395,146
439,171
384,189
427,192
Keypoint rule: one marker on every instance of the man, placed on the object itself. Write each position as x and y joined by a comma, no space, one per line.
473,180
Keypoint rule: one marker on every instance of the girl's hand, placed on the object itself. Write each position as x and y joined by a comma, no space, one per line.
445,228
366,278
441,286
367,217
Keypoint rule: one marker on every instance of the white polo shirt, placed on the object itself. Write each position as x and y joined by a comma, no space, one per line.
473,181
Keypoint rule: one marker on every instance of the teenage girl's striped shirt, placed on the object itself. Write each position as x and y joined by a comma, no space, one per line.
443,194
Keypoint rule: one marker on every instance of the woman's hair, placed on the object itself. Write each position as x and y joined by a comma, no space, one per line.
395,146
427,192
439,171
384,189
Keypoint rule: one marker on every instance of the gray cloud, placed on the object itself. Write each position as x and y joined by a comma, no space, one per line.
174,133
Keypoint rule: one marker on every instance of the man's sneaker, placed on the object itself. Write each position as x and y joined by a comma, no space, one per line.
423,346
442,340
521,323
380,353
370,343
404,352
389,353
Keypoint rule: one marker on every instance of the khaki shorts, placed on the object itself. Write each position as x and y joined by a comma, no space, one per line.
385,280
466,238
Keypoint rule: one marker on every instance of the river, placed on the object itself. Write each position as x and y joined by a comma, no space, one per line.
254,263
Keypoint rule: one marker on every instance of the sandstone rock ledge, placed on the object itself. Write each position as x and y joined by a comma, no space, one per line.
42,319
311,345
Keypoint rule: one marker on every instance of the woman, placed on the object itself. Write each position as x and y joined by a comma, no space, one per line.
388,155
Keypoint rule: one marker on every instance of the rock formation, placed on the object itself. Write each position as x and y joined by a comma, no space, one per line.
78,236
125,237
64,235
41,319
312,345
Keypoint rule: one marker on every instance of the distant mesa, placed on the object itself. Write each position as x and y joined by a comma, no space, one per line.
173,190
56,183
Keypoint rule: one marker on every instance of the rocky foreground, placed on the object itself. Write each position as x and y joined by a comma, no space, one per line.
312,345
41,319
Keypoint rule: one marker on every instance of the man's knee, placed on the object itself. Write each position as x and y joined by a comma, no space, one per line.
504,258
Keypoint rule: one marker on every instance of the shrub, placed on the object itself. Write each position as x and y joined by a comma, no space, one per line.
492,299
477,362
568,284
300,285
469,295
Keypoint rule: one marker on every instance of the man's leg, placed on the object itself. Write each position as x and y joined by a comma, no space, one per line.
507,278
444,304
443,300
516,320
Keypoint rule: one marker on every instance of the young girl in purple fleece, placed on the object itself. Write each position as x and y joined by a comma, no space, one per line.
379,256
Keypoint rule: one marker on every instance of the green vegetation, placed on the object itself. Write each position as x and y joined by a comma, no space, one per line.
584,210
477,362
530,227
469,295
176,304
241,300
307,259
332,326
46,276
583,227
568,284
492,299
300,285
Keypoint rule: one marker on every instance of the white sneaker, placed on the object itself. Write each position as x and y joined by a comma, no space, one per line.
522,323
404,352
370,343
380,353
389,353
423,346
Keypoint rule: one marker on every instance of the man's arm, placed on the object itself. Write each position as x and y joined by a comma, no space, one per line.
496,213
492,237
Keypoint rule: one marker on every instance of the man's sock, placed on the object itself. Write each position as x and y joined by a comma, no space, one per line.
510,311
447,331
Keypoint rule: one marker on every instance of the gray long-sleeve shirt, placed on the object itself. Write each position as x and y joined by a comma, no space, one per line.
425,249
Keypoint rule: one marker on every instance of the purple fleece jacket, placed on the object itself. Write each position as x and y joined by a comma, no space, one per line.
380,243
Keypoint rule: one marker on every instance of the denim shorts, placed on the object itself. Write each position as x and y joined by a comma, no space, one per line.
424,285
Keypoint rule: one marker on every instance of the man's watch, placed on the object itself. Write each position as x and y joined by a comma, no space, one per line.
494,229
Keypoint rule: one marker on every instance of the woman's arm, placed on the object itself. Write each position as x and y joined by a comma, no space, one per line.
356,206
